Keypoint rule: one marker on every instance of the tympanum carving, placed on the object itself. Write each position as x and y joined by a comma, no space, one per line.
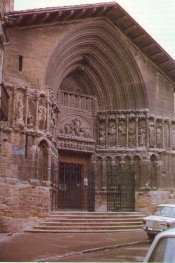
76,128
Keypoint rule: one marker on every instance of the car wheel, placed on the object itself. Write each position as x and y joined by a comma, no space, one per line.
150,236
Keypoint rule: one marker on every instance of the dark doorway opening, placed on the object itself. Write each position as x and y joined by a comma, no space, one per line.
73,184
121,191
70,186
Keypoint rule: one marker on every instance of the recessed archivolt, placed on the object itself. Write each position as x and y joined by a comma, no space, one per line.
97,51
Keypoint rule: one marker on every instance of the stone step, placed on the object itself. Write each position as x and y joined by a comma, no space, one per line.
60,222
70,223
82,231
76,220
84,227
61,213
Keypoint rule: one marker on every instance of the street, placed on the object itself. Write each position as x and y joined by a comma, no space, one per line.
132,253
130,246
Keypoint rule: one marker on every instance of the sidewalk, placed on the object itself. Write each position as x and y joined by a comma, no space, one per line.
55,246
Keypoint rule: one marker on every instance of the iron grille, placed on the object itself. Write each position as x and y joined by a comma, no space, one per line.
3,103
91,188
70,186
120,190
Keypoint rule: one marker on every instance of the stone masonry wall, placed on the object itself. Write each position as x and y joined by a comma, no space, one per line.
22,198
36,52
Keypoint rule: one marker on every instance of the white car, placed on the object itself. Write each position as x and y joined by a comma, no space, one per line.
162,219
162,248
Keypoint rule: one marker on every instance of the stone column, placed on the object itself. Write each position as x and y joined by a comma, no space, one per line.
68,100
170,135
155,132
48,164
137,131
104,177
117,135
26,105
14,107
163,134
48,116
145,171
158,165
36,110
107,129
127,130
147,132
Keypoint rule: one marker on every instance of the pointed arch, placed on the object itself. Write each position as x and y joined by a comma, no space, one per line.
98,59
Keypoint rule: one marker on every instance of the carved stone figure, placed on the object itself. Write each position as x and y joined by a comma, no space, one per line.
53,117
159,135
76,124
112,134
19,113
131,138
142,136
102,135
42,114
151,135
173,139
122,133
85,132
75,128
30,120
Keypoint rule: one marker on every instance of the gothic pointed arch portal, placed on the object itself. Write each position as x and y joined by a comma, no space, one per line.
96,58
92,70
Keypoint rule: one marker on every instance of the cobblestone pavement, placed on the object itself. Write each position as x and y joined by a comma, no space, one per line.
56,246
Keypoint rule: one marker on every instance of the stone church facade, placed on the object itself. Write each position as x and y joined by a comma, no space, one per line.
90,122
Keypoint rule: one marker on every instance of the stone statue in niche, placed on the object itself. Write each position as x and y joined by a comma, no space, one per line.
53,117
30,120
142,135
151,135
159,135
112,134
42,114
102,135
131,133
52,122
122,133
19,112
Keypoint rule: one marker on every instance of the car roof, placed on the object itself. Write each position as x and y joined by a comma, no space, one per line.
169,205
168,232
165,234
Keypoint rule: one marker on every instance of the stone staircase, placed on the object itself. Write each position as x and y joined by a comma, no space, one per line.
88,222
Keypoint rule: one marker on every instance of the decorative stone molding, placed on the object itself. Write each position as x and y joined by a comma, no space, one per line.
33,111
129,129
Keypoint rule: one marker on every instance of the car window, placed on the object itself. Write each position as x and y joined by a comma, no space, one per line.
164,251
165,211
